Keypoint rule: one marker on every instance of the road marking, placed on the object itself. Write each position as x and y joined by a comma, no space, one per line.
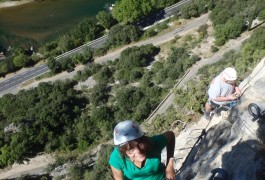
23,73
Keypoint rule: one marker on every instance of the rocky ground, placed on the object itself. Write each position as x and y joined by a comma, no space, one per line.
233,142
34,165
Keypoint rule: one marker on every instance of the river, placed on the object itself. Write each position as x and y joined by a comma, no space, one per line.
41,21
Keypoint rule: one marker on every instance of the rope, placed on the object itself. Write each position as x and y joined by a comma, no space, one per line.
257,114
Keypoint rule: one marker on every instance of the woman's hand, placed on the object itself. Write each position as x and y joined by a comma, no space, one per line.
170,172
117,174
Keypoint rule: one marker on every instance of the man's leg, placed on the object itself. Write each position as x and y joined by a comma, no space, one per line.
208,107
207,111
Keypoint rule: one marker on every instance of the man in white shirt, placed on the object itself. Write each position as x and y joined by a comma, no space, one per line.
223,89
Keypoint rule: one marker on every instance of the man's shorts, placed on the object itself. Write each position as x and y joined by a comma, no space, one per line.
229,104
213,104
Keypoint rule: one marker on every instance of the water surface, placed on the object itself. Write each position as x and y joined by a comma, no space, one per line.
41,21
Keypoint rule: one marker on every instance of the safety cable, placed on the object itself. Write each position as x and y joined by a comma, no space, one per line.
203,134
251,78
247,126
256,115
237,130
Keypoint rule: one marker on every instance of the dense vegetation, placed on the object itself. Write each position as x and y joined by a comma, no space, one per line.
56,117
191,99
129,11
230,18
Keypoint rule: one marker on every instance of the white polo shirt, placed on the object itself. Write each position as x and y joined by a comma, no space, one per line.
218,88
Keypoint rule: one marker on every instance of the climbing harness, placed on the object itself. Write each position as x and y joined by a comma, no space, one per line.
254,110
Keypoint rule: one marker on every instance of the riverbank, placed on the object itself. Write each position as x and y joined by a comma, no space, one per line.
8,4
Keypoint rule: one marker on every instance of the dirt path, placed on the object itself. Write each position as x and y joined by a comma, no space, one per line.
36,165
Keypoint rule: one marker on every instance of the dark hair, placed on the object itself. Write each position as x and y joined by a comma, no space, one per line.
144,139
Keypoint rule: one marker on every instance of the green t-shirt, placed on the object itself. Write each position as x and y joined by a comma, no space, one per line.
153,168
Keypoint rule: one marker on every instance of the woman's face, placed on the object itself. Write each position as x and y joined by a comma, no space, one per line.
136,151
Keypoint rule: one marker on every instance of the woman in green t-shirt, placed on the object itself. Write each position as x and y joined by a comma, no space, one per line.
139,157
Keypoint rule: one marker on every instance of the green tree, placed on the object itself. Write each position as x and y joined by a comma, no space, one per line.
103,76
123,34
66,63
157,66
21,60
101,169
102,117
85,31
262,15
105,19
99,94
53,65
88,55
6,66
129,11
65,43
128,98
220,15
5,156
231,29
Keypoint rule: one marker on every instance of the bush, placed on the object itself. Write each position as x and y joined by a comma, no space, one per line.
100,51
123,34
214,49
149,33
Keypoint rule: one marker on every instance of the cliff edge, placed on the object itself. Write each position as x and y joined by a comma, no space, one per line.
233,144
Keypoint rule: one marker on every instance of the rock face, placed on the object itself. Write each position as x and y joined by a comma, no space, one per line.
233,142
11,128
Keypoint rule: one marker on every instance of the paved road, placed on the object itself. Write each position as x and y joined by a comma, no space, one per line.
9,84
162,14
12,83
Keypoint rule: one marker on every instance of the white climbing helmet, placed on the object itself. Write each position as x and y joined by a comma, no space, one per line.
126,131
230,74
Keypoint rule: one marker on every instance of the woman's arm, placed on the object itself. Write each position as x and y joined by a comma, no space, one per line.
117,174
170,172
